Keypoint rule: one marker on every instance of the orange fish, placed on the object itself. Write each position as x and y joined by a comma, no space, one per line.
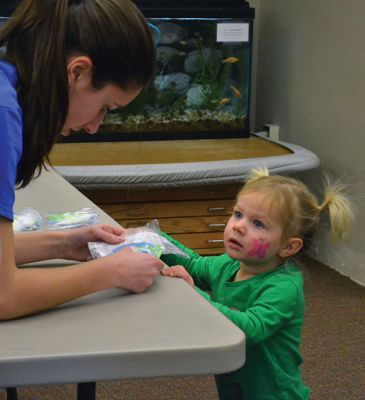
235,91
230,60
224,101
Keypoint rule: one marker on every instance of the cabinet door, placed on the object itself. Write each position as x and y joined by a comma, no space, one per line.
125,211
203,192
182,225
208,240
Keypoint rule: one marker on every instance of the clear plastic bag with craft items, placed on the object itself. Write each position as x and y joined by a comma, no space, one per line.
144,239
27,219
72,219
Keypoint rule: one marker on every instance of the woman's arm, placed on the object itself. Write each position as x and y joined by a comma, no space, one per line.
68,244
29,290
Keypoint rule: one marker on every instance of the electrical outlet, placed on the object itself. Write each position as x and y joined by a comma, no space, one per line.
272,131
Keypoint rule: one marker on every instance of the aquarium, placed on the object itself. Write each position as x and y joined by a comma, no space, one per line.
202,83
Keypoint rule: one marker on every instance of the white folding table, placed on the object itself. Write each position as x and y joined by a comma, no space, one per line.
169,330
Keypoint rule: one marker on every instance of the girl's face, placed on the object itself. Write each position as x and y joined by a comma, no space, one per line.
88,106
254,234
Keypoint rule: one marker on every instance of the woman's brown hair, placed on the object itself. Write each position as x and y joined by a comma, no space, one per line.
42,34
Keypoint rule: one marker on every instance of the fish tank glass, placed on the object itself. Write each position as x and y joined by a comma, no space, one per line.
202,85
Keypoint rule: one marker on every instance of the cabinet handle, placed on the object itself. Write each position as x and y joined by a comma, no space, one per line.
215,192
216,225
215,241
216,209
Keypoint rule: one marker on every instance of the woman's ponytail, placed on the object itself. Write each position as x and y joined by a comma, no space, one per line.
35,39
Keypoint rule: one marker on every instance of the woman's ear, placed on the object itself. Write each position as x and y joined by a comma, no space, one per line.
79,68
291,247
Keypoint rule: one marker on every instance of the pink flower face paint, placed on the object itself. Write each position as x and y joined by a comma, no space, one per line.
259,248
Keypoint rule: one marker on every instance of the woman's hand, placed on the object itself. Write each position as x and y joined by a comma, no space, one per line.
178,271
73,244
134,272
127,270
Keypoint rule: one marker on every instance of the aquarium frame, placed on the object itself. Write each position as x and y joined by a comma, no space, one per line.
160,9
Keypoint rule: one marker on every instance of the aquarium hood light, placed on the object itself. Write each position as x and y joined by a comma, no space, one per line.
201,8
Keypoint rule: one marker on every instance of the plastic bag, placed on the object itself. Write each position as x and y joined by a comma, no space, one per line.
144,239
27,219
72,219
101,249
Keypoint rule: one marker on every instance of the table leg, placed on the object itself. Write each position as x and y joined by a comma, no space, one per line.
86,391
11,394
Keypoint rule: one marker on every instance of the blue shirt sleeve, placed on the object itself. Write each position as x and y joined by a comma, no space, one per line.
11,141
10,149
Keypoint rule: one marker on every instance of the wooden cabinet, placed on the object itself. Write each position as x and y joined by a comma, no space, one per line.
196,216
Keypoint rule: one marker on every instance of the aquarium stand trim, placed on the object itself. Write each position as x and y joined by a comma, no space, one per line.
185,174
152,136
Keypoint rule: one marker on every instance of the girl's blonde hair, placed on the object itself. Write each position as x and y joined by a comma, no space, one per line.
299,209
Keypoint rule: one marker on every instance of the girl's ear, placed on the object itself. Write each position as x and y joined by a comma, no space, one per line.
79,67
291,247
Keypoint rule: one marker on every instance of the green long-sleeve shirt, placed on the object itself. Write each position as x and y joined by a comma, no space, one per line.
269,309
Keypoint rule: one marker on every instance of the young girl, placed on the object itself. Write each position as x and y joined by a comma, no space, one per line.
65,64
257,285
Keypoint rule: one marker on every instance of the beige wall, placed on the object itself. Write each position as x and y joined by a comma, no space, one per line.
309,78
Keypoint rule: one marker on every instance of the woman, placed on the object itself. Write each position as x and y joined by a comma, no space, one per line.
66,63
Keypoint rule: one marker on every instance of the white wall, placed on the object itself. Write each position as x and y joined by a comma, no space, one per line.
309,78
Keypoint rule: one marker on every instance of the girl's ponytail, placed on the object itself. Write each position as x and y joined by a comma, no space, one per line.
340,209
257,173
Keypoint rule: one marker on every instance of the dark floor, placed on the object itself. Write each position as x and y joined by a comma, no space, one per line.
333,350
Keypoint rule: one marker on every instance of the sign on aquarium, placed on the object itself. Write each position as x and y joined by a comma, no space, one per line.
232,32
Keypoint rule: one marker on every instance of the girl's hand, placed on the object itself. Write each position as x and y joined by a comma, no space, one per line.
73,245
178,271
